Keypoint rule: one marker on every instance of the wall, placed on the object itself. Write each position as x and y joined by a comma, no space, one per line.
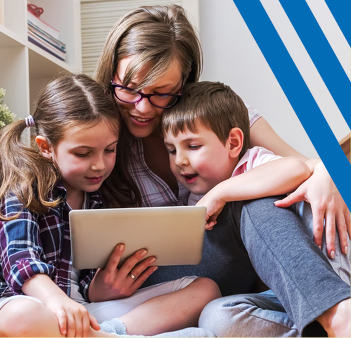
231,55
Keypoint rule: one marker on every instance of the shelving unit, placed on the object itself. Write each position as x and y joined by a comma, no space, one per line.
24,67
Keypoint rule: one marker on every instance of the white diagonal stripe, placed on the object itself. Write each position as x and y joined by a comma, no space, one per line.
306,67
332,32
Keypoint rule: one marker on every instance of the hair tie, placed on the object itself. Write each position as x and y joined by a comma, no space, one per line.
30,121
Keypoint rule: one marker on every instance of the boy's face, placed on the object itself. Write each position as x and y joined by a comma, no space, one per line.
199,160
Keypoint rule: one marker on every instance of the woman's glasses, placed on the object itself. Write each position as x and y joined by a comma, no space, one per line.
128,95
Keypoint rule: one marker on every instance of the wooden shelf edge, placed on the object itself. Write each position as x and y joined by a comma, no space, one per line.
346,145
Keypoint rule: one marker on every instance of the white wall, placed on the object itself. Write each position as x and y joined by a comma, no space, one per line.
232,56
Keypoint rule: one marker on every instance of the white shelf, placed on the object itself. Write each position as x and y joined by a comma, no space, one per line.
25,67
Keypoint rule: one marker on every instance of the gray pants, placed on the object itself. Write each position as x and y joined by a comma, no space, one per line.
290,263
257,237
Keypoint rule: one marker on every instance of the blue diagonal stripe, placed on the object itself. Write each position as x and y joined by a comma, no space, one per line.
297,93
341,11
321,54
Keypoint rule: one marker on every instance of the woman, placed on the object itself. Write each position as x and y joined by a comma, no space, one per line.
148,55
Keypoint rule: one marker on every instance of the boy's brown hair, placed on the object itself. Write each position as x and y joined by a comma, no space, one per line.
215,105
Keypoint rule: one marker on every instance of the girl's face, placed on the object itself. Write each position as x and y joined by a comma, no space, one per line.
86,156
142,118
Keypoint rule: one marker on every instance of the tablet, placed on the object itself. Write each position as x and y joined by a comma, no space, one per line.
173,234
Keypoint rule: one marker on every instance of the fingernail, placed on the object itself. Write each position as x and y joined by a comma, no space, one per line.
332,254
120,247
155,268
143,252
346,250
152,260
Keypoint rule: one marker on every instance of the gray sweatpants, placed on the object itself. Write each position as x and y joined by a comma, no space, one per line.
288,261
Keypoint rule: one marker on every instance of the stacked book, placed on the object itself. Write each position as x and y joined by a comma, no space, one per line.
45,36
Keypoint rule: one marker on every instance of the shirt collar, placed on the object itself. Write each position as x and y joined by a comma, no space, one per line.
94,199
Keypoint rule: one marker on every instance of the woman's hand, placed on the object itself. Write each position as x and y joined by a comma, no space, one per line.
327,205
74,320
114,283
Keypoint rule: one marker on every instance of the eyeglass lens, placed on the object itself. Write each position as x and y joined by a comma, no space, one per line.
132,96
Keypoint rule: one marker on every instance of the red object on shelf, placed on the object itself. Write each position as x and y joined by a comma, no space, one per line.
35,10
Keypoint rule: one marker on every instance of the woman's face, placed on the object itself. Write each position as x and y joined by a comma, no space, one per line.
142,118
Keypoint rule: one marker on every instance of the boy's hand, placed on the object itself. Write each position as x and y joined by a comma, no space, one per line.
73,318
214,207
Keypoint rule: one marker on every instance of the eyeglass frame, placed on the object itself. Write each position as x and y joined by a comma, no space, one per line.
147,96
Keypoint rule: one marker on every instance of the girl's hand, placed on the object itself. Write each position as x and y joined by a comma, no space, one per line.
327,207
214,207
74,320
114,283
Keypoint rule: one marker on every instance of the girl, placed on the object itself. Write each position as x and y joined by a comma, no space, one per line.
41,293
148,55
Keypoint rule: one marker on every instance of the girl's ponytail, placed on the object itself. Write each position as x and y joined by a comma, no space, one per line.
24,171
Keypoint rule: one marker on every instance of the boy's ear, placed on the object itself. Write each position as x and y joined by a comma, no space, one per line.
44,146
235,142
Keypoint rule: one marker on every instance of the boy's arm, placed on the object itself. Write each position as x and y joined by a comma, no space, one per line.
276,177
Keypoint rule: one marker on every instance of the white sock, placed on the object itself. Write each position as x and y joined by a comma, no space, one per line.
114,325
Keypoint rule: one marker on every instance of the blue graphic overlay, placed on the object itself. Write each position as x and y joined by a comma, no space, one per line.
321,54
297,93
341,10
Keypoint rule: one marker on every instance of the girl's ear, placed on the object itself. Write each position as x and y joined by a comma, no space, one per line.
44,146
235,142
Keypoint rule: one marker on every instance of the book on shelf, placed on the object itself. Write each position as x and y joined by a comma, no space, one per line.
33,38
44,36
43,25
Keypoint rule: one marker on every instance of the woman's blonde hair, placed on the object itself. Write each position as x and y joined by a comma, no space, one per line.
157,36
67,101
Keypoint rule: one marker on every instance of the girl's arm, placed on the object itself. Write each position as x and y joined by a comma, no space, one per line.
25,272
276,177
319,190
73,318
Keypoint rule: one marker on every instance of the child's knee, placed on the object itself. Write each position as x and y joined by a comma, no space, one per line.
209,288
23,317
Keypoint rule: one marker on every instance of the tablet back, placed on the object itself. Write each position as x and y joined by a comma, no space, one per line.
173,234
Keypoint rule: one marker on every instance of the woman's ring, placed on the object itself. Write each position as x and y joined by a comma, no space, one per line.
133,277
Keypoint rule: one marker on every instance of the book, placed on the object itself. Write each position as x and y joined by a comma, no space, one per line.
43,25
46,37
46,46
43,35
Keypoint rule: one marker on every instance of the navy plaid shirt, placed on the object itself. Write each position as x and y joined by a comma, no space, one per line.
33,244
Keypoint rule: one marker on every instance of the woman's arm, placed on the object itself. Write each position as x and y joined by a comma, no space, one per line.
276,177
73,318
319,190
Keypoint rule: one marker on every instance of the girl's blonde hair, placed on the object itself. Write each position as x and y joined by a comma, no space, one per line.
67,101
156,36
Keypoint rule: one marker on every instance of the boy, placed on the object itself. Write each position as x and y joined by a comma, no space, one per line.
207,137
